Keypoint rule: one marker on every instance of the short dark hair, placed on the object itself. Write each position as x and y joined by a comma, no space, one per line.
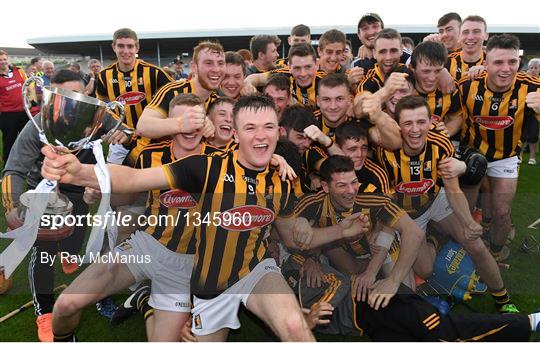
187,99
125,33
350,130
302,50
332,36
370,18
476,18
334,80
335,164
411,102
235,58
297,117
254,102
387,34
220,100
280,81
503,41
259,43
448,17
408,40
300,30
35,60
290,153
431,52
66,75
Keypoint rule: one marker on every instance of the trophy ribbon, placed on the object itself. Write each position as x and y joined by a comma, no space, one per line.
25,236
95,240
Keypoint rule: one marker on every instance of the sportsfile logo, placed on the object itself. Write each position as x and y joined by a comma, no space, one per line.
131,98
246,218
415,187
177,198
494,123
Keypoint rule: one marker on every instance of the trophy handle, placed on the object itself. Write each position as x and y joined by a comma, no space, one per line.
112,106
39,82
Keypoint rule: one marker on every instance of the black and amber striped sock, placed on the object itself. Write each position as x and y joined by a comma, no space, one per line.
68,337
502,297
144,308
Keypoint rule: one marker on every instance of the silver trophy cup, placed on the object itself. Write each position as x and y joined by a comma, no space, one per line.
68,119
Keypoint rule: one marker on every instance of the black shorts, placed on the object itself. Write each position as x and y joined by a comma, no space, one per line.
530,129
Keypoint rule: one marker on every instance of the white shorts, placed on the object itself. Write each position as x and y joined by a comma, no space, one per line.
211,315
117,154
439,210
169,272
507,168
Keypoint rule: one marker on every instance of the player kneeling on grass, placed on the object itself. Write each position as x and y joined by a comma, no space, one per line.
231,266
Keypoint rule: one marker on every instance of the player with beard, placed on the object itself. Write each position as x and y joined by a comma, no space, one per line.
263,48
208,67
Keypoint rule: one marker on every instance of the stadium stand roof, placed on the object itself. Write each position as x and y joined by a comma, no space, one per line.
156,45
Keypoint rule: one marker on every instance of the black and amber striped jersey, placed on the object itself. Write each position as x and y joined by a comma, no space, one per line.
442,105
318,210
323,125
135,87
373,179
282,62
306,96
160,102
415,179
169,206
210,148
237,206
495,120
373,81
458,68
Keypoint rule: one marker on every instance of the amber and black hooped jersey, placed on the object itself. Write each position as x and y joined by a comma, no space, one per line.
373,81
318,209
236,206
442,105
160,102
135,87
169,207
458,68
415,179
495,120
282,62
306,96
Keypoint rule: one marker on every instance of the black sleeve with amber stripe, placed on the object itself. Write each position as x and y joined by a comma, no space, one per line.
188,173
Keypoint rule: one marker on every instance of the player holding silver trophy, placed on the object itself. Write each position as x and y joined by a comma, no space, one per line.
70,121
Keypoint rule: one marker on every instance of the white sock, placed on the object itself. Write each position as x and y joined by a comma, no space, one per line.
535,319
